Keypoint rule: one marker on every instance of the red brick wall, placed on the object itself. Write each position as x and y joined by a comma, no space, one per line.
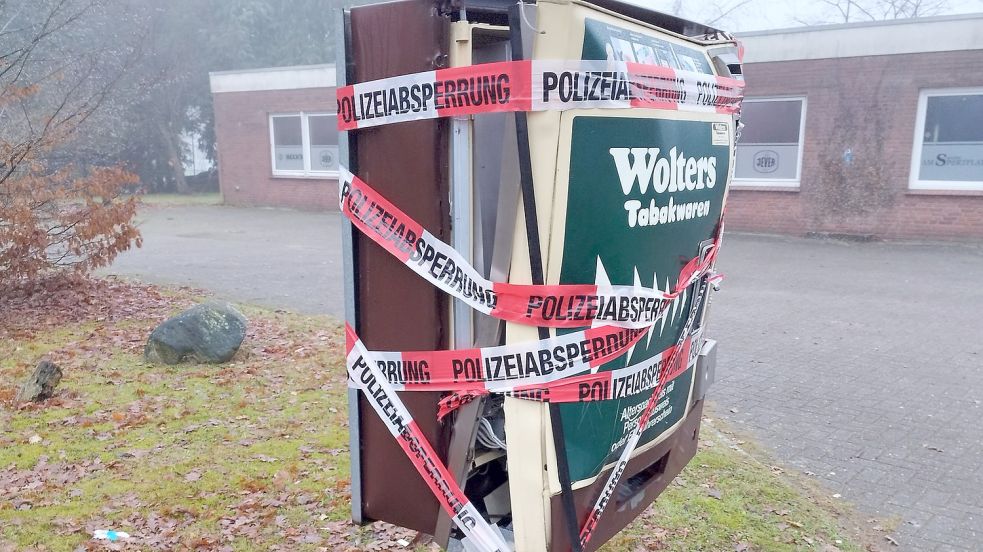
867,104
242,131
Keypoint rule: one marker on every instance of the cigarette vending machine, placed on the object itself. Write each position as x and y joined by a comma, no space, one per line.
534,197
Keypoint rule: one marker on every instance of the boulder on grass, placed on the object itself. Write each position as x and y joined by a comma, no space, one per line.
41,383
207,333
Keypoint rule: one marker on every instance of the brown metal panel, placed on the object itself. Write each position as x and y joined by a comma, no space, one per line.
663,462
398,310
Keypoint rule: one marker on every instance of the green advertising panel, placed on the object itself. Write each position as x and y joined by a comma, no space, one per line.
643,194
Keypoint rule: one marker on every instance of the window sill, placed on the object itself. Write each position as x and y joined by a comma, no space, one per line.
941,192
325,176
755,187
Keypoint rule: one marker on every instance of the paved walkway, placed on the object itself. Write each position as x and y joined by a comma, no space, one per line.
859,363
271,257
862,364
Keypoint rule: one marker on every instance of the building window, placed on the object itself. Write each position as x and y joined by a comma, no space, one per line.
323,143
948,151
770,150
304,145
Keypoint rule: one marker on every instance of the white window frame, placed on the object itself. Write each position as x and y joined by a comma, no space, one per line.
777,182
914,182
305,140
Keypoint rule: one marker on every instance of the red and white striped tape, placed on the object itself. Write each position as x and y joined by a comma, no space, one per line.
555,306
503,367
536,85
364,374
614,384
603,386
682,351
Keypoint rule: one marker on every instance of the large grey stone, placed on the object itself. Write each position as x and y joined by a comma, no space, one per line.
206,333
41,383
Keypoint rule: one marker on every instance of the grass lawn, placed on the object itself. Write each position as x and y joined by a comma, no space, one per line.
253,455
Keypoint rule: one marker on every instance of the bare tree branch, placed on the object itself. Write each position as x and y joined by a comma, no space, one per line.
727,11
848,11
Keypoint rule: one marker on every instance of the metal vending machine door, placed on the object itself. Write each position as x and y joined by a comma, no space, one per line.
393,309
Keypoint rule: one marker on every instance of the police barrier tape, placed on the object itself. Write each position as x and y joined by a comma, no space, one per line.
555,306
604,386
364,374
614,384
607,491
502,367
545,370
533,85
368,372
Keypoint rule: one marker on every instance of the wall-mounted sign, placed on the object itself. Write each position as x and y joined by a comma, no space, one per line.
324,158
766,161
771,161
289,158
952,162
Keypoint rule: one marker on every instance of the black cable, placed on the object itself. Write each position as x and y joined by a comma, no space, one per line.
537,275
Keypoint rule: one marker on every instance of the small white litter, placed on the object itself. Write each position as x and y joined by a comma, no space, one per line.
109,534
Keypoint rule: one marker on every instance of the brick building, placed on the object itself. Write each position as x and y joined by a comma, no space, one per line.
871,129
277,143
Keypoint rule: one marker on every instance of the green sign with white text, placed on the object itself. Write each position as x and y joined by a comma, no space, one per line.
643,194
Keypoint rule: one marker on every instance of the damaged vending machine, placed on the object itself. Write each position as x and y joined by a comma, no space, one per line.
534,195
